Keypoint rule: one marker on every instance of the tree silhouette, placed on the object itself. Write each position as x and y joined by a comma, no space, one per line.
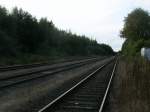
21,33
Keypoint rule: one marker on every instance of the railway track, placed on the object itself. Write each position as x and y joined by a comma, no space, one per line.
20,72
88,95
10,80
26,66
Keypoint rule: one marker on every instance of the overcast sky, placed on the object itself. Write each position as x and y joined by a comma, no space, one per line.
98,19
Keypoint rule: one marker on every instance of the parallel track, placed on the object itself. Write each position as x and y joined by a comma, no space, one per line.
20,78
32,70
88,95
16,67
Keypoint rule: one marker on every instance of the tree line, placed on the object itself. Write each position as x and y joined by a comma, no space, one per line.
21,33
136,31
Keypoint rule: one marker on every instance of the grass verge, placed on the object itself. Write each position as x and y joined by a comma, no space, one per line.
130,91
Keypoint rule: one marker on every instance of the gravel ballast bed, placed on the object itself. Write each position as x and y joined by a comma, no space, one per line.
29,97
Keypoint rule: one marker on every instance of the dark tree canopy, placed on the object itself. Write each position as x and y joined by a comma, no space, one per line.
137,25
21,33
136,31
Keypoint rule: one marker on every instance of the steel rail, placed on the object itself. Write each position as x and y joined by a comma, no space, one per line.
72,88
31,77
26,66
108,87
29,72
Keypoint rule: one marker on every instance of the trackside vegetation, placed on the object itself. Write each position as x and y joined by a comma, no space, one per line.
130,90
23,36
136,31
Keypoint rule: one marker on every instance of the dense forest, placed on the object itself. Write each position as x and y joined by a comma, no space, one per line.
22,34
136,31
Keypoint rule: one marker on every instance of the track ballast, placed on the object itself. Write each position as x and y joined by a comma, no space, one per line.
88,95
